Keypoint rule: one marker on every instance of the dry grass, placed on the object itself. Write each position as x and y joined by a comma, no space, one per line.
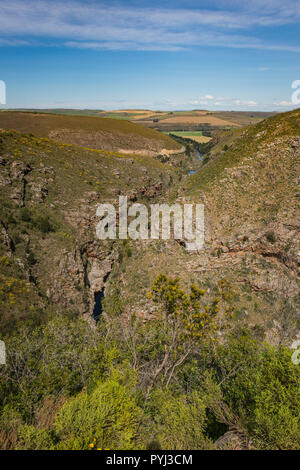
135,114
202,139
130,111
119,133
200,113
196,119
148,115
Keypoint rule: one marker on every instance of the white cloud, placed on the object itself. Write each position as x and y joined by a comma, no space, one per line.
209,100
100,25
125,45
283,103
13,42
250,103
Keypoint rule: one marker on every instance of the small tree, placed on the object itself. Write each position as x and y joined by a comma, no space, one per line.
184,320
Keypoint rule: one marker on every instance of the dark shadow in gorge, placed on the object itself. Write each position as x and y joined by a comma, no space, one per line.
97,311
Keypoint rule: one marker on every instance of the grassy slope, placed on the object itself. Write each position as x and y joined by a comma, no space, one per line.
42,124
243,144
251,198
243,118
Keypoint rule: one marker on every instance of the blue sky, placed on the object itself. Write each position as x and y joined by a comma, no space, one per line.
240,55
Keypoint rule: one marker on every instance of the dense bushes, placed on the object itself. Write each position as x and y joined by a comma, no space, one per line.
106,418
258,393
70,386
57,359
178,421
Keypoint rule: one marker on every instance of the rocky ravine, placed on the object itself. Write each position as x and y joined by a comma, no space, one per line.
50,192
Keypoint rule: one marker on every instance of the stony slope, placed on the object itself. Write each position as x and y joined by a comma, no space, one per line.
50,257
251,195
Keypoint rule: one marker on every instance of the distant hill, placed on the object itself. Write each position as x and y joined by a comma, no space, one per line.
106,134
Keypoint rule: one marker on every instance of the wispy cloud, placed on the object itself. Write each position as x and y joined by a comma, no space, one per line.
122,46
210,100
98,25
13,42
283,104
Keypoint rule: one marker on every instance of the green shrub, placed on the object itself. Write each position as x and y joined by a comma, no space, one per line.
271,237
25,214
178,421
107,418
30,438
43,224
259,393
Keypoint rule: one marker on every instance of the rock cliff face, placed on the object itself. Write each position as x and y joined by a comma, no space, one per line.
49,194
52,261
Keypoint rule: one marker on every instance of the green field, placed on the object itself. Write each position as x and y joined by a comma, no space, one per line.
185,133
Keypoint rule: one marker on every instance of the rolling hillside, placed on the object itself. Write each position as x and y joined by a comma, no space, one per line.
86,131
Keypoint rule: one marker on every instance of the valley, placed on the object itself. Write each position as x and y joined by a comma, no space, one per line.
94,301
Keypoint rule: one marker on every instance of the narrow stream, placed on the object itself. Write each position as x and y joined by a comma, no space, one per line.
191,172
99,295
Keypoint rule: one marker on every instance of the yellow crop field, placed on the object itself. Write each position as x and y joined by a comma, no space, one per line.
202,139
196,119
